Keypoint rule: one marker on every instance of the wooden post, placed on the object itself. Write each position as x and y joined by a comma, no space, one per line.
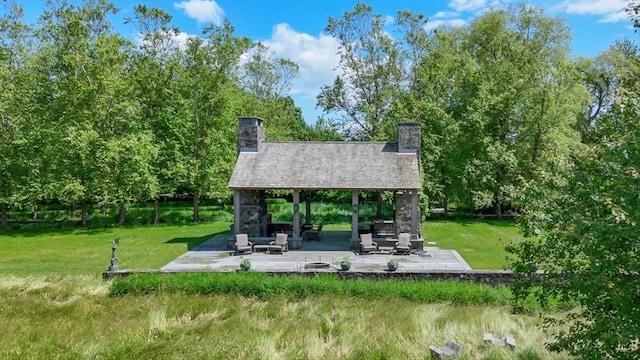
308,208
354,215
296,214
236,212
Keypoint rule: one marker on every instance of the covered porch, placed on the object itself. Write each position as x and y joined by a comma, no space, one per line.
255,220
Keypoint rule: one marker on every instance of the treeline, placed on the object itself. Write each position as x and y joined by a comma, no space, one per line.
88,116
500,99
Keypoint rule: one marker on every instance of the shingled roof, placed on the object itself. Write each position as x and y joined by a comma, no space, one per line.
326,165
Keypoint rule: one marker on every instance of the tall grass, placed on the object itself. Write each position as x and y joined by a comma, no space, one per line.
75,318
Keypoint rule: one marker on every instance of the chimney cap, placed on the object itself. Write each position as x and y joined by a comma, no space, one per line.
250,121
412,123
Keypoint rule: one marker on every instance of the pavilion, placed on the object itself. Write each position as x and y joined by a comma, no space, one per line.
310,166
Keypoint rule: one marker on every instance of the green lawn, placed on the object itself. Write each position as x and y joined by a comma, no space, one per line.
88,251
480,243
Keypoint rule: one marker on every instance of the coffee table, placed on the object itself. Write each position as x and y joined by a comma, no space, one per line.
385,249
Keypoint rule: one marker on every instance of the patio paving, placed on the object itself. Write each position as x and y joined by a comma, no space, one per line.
212,255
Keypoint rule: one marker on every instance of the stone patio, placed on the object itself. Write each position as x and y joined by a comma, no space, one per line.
212,255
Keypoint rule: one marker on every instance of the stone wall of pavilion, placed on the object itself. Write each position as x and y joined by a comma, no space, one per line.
253,212
403,212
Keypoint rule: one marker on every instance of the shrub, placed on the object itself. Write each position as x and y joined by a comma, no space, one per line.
265,285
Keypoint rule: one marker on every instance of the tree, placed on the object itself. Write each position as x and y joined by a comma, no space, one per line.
13,127
512,107
269,79
602,75
266,76
371,73
100,150
155,72
207,93
584,217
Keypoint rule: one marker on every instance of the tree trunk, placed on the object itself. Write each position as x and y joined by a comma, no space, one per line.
73,210
34,214
196,207
498,202
103,210
446,207
123,214
156,211
378,205
4,216
85,215
471,206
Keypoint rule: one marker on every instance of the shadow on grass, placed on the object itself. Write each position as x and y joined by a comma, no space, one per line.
74,228
194,242
469,222
58,228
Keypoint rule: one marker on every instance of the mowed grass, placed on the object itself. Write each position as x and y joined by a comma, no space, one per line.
480,243
74,251
75,318
43,251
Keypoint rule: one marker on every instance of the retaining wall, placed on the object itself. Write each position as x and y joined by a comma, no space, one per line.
490,277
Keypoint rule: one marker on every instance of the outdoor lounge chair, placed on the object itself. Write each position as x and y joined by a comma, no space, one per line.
243,245
315,234
403,246
367,245
280,244
449,350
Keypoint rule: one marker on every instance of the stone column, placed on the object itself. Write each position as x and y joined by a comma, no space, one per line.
415,214
236,211
296,214
354,215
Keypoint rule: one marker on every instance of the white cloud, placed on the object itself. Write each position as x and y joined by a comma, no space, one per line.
433,24
204,11
179,40
182,38
592,7
467,5
611,10
445,15
389,19
316,56
615,17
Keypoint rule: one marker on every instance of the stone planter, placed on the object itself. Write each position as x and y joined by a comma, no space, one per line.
392,265
245,265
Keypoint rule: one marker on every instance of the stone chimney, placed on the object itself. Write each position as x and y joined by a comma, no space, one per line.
250,134
409,138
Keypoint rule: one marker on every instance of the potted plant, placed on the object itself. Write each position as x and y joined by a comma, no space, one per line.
392,264
245,264
345,263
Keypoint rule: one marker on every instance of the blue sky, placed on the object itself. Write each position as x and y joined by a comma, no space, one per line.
294,28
